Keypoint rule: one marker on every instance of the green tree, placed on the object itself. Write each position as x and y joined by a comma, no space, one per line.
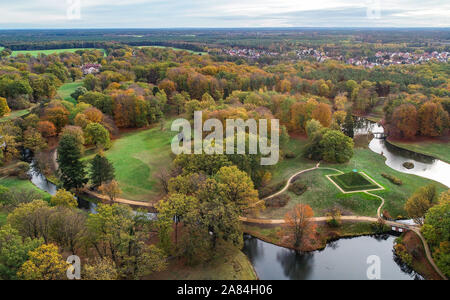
349,124
97,135
79,91
101,171
32,139
14,251
64,198
174,207
71,168
337,147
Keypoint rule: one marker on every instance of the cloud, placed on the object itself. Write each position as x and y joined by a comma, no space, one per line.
225,13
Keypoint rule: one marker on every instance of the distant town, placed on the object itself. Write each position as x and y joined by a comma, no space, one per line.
381,58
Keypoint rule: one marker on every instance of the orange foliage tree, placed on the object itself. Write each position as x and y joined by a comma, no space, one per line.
298,224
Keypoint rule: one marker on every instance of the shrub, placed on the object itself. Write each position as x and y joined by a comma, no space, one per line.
298,188
269,190
402,253
408,165
278,201
289,155
392,179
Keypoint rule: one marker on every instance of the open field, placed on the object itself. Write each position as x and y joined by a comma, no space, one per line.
52,51
322,195
14,183
437,149
176,49
137,157
15,114
68,88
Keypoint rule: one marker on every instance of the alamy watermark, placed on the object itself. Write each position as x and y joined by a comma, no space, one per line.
374,269
74,270
73,11
237,133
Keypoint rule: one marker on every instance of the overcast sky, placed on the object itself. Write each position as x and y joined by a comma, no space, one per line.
223,13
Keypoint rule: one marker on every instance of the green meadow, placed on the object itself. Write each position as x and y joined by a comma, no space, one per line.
137,157
51,51
68,88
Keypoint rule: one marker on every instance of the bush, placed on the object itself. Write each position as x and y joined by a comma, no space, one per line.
269,190
392,179
402,253
408,165
289,155
298,188
278,201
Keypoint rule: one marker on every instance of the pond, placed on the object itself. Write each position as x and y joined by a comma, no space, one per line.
424,166
345,259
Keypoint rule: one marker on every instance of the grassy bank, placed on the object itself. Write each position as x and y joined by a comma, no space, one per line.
324,234
52,51
437,149
231,265
15,114
17,184
68,88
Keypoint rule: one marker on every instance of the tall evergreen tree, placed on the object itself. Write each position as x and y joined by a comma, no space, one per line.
101,170
71,168
348,125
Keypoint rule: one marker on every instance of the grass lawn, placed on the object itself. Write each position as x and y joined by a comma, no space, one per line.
14,183
68,88
15,114
137,157
286,167
52,51
440,150
353,181
322,195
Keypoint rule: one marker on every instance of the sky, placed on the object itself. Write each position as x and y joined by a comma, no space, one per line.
223,13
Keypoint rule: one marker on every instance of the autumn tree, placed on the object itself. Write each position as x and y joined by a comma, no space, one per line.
237,187
322,113
110,189
64,198
46,128
420,202
32,139
298,224
174,208
4,108
58,115
433,119
100,269
119,233
404,121
44,263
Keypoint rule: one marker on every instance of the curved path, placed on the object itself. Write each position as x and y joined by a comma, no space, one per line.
415,229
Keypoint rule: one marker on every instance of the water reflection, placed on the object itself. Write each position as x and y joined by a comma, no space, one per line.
342,259
424,166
